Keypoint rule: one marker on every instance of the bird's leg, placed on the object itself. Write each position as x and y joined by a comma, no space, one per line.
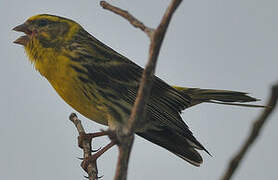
94,157
90,136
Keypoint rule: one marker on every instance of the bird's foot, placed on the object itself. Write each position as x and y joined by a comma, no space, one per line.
89,136
91,159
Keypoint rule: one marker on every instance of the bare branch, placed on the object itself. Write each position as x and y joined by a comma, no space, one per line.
124,153
125,14
256,129
147,77
127,135
87,149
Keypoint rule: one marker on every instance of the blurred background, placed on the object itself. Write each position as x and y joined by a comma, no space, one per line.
209,44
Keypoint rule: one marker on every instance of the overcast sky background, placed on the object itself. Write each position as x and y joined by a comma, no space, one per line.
228,44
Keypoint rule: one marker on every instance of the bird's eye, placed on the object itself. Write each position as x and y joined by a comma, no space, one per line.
42,22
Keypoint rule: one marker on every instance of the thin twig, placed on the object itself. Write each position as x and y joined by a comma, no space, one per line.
256,129
87,149
125,14
127,135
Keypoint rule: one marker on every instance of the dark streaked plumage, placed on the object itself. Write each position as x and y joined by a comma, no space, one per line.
102,84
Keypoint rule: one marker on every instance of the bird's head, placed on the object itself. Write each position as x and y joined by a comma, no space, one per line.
47,29
45,32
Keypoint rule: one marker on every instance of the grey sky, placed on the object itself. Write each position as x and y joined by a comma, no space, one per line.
210,44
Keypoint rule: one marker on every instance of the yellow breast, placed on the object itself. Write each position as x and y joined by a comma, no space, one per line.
64,79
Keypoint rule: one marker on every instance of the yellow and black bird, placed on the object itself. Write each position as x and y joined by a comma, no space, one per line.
102,84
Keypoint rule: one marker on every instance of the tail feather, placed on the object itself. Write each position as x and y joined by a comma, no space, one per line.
184,144
175,143
218,96
238,104
193,154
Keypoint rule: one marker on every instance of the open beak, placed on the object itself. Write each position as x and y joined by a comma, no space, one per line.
22,40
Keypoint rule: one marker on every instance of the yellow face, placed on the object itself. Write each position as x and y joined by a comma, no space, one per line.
48,30
45,37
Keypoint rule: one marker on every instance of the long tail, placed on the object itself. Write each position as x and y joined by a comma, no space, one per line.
218,96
